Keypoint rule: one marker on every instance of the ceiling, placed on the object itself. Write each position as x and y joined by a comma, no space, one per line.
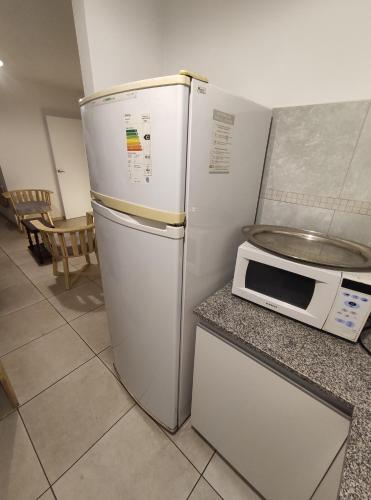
38,41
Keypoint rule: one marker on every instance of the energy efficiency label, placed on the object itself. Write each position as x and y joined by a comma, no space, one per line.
138,147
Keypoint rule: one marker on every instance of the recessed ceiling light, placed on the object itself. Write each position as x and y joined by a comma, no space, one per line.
1,63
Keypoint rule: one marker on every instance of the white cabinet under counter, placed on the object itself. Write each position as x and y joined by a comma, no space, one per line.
287,443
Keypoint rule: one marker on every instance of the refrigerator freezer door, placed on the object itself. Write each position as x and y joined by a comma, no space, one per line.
136,146
227,142
142,276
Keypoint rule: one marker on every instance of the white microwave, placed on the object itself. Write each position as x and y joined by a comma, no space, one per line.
336,301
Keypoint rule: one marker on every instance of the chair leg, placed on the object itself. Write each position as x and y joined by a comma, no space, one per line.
67,278
97,255
8,388
19,220
55,267
50,219
87,258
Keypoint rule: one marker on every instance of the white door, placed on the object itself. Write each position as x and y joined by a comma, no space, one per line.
141,266
136,146
70,163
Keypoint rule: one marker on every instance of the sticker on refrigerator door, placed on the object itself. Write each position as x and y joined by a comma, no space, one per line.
221,142
138,147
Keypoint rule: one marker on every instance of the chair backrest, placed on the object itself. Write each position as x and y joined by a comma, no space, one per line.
20,195
68,242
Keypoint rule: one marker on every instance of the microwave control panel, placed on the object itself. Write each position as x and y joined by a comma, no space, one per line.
351,309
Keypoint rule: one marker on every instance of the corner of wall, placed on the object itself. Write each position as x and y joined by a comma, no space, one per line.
79,16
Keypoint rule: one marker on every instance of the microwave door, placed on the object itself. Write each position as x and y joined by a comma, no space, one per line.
303,292
280,284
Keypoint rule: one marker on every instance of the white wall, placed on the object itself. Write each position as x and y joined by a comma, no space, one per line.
119,41
277,52
25,155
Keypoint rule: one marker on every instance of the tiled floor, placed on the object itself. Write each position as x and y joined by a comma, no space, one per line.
77,433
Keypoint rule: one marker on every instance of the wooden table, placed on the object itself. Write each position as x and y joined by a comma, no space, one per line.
36,247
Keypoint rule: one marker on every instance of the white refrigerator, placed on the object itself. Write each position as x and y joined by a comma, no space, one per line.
175,167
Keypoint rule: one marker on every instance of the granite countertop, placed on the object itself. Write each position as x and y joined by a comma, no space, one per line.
333,368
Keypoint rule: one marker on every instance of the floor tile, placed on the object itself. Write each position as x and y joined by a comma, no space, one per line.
93,328
135,461
18,296
34,271
21,476
22,255
227,482
48,495
66,419
77,301
14,242
92,272
194,447
107,357
98,281
25,325
3,256
203,491
35,366
52,285
10,275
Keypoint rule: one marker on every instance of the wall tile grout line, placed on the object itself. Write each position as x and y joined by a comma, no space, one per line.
345,205
355,147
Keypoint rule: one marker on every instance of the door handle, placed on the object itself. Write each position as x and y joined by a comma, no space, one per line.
60,171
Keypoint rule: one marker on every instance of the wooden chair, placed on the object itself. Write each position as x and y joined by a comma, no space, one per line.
65,243
7,386
30,202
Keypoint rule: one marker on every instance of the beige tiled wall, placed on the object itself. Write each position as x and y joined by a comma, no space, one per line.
318,170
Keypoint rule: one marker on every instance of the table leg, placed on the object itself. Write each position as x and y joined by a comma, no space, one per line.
41,260
29,239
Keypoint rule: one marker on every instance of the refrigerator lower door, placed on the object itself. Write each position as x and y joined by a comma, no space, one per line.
142,275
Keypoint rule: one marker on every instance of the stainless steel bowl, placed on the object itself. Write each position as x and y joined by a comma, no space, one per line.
310,246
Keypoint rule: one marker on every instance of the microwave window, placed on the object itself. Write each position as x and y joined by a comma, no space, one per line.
279,284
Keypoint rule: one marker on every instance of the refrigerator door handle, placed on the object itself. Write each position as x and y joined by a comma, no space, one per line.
134,222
